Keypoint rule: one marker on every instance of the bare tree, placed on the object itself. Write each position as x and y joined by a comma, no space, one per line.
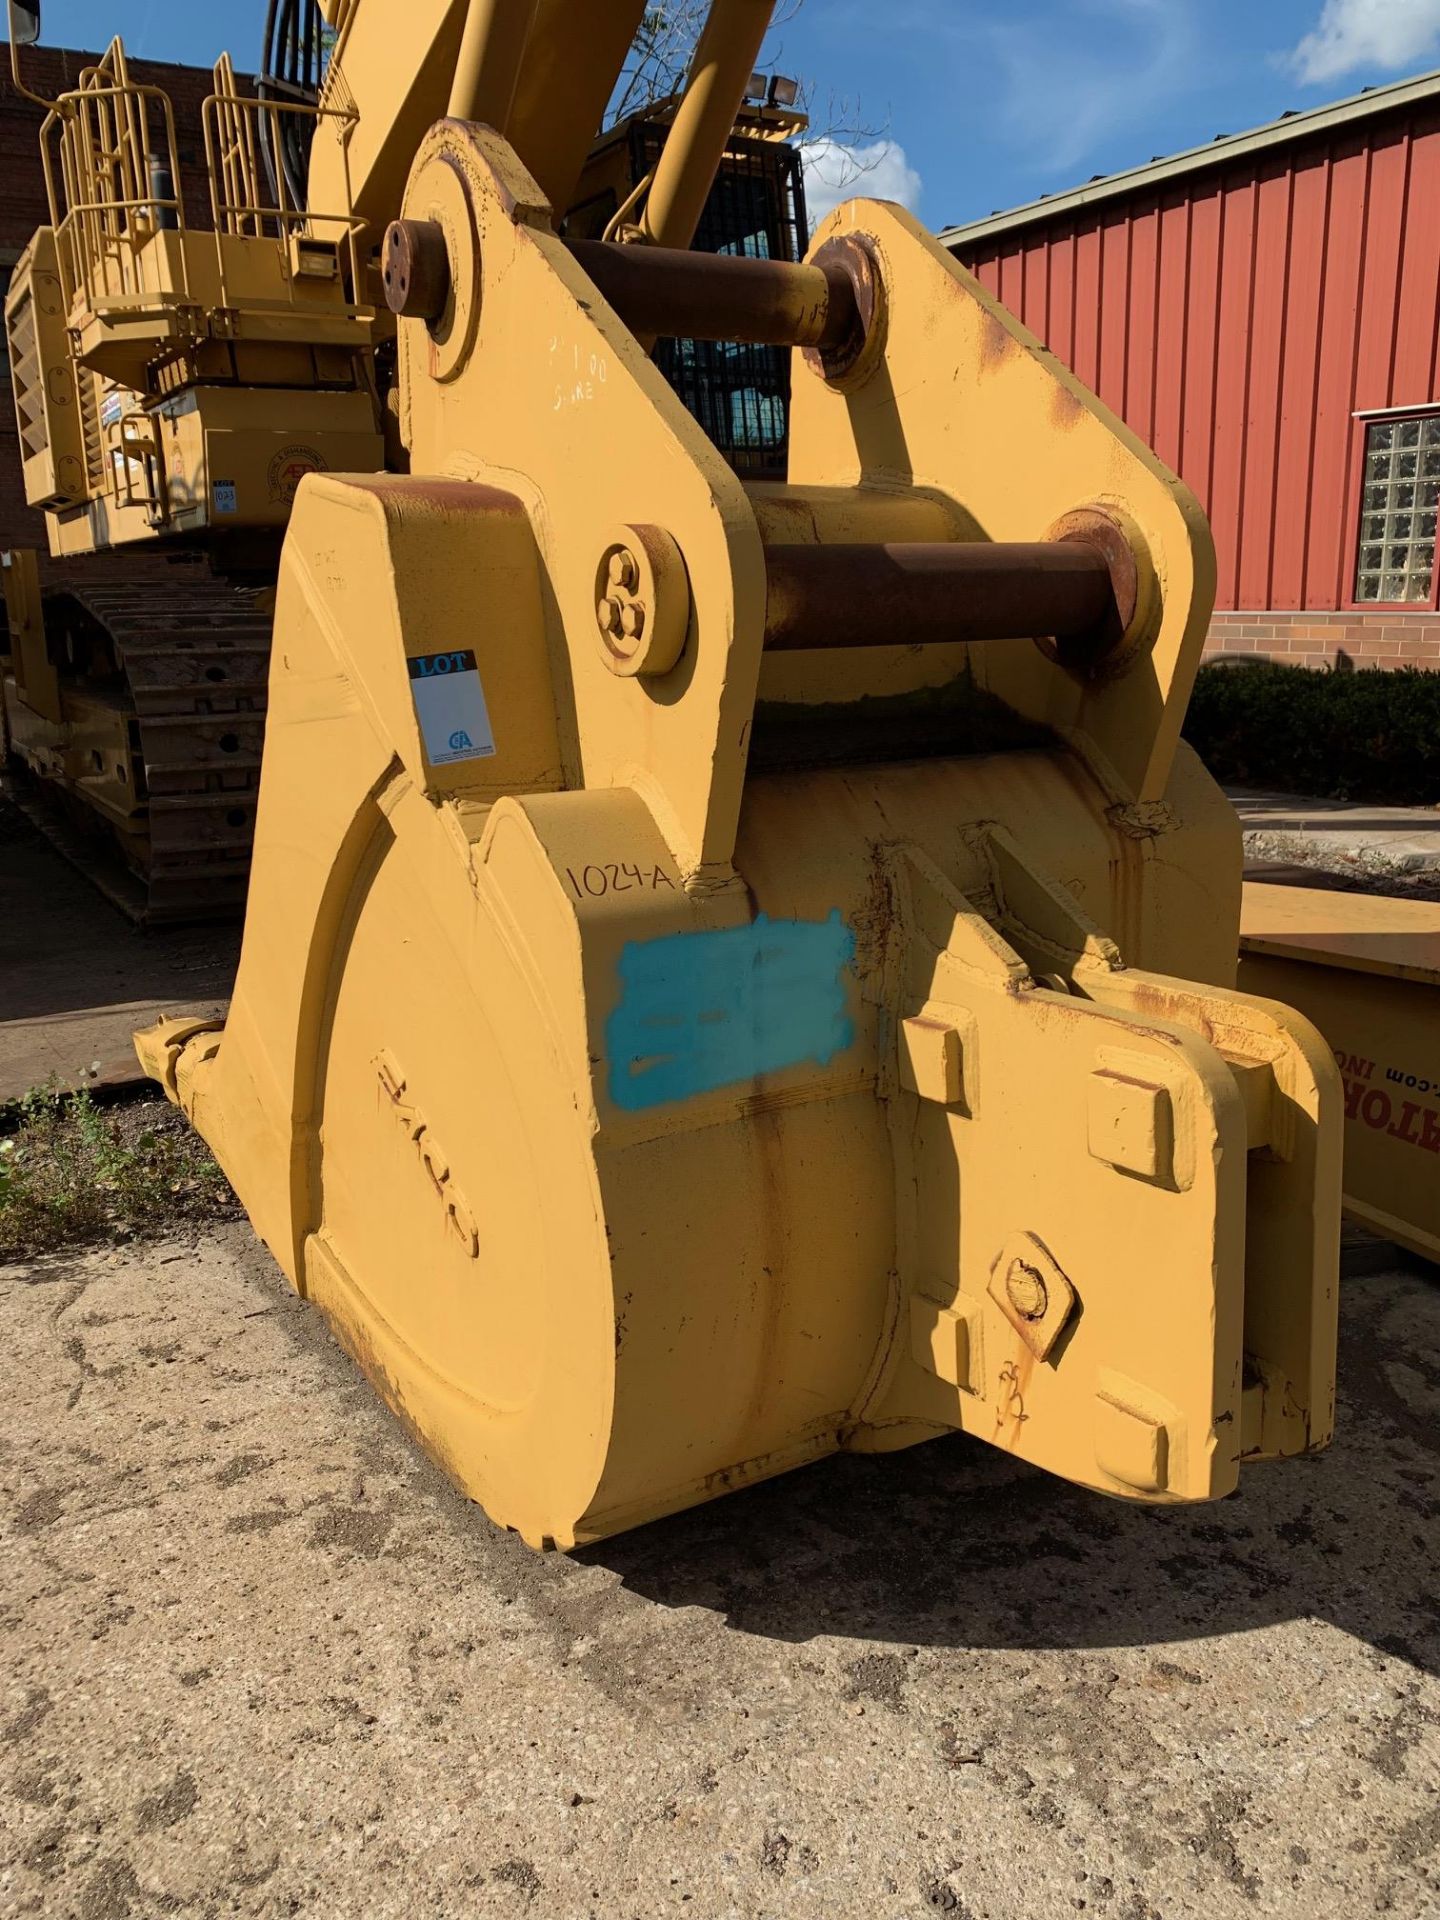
660,53
660,58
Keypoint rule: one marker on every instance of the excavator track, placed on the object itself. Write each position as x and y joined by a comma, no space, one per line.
186,671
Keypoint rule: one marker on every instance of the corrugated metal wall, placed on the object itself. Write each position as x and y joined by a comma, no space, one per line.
1239,320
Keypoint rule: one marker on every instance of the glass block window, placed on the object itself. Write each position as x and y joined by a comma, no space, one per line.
1398,511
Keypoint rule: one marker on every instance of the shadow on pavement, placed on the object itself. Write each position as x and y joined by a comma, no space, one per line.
951,1544
64,948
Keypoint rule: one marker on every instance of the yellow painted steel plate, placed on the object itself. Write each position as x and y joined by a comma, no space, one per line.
1364,932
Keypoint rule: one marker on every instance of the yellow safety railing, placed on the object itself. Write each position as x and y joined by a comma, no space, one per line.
116,183
246,201
111,195
341,17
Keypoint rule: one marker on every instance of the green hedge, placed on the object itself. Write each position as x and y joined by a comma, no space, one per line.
1370,735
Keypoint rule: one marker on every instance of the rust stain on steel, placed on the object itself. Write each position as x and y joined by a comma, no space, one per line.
856,290
1066,408
997,343
874,922
1012,1386
416,269
461,496
1161,1003
1102,648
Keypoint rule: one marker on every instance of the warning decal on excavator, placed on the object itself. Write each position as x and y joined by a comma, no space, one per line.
450,706
704,1010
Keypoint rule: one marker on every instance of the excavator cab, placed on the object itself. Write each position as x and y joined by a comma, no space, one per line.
738,390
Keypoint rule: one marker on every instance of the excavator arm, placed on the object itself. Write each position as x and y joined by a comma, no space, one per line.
540,72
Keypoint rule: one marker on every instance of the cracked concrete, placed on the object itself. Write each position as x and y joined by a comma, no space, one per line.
1342,836
260,1659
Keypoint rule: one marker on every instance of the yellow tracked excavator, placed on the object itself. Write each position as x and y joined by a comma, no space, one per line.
737,967
177,373
172,384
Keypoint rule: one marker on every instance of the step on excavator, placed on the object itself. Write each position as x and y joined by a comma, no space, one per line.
739,968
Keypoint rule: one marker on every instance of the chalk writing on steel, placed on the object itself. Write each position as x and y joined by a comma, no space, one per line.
704,1010
595,881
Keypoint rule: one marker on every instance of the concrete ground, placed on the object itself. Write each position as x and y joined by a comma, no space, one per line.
260,1659
1343,835
77,977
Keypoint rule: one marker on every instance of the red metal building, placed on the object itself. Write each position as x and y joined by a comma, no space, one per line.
1265,313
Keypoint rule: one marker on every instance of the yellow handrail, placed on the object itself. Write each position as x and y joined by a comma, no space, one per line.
104,204
238,129
135,444
114,134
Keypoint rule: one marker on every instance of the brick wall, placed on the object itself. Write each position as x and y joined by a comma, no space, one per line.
23,207
1391,639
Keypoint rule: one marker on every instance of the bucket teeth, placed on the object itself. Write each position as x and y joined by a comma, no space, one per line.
159,1048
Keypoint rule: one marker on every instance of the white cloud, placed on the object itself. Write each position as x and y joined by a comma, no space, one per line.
870,170
1366,33
1072,82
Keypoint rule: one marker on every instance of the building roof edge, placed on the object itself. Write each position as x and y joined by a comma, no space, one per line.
1221,151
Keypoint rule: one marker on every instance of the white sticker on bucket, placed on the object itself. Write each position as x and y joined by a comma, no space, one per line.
450,706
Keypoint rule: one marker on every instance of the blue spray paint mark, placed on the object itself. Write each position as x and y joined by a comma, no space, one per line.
703,1010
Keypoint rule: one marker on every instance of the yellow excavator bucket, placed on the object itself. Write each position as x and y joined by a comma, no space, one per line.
733,972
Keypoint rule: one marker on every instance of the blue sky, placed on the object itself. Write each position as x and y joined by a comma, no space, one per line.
991,102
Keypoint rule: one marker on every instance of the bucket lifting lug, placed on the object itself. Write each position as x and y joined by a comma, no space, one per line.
1115,1193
